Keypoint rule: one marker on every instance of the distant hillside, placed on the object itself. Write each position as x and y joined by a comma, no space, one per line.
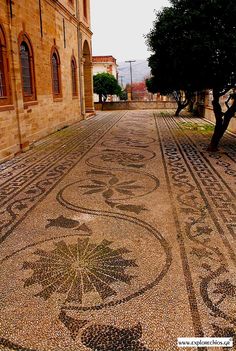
140,71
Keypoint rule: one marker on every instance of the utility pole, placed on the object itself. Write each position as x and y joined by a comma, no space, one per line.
131,78
121,81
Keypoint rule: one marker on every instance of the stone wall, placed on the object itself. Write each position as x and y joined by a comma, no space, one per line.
136,105
23,123
9,130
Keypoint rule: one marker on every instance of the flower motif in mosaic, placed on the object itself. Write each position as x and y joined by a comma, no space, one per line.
75,270
111,187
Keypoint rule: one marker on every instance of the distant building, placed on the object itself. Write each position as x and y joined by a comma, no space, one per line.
105,64
45,69
140,92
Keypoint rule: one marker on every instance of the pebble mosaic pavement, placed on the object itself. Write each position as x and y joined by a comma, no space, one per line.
118,234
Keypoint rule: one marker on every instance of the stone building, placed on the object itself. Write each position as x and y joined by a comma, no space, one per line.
45,69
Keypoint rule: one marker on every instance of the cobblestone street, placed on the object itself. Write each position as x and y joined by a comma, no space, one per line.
118,234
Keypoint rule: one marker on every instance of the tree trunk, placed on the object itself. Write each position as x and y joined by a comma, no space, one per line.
219,121
190,108
180,107
222,121
100,98
227,117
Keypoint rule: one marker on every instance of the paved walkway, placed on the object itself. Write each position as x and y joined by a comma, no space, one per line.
118,236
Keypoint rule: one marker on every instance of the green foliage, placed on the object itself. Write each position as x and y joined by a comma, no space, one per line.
194,46
106,84
123,95
197,127
152,85
194,49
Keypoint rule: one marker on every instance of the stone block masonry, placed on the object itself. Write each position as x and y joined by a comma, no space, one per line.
46,24
136,105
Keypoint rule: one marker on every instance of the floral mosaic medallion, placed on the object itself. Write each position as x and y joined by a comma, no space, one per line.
76,279
134,132
75,270
129,141
116,190
219,293
125,158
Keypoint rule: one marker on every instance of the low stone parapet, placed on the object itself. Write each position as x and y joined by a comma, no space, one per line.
135,105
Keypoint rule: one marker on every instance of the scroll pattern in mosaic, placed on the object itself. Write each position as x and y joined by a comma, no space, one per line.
21,193
83,273
200,199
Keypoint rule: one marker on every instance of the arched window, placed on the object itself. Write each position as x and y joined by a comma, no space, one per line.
3,90
27,68
56,73
74,77
5,98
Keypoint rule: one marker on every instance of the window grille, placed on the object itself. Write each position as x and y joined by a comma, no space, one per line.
74,77
3,90
26,69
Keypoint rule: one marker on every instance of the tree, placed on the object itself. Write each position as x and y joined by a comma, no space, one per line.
170,72
183,98
194,49
105,84
123,95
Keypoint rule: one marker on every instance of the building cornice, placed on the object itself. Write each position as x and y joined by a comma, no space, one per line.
71,16
64,11
82,26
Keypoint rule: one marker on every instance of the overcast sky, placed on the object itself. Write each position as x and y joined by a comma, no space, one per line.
119,25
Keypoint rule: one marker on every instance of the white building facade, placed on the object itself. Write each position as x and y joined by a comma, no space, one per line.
105,64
